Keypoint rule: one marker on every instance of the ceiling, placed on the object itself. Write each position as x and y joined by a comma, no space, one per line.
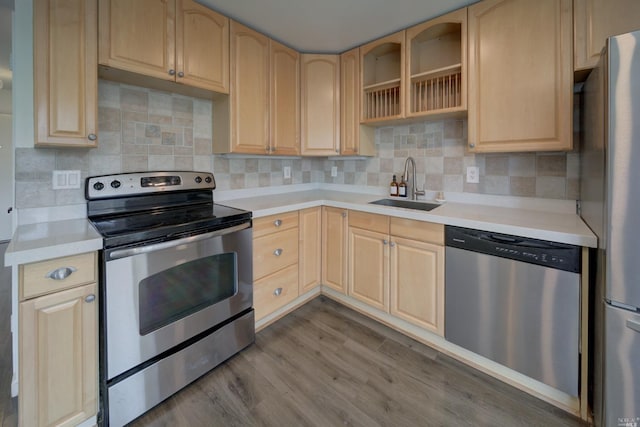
331,26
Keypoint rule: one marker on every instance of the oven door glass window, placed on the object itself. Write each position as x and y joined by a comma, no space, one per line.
185,289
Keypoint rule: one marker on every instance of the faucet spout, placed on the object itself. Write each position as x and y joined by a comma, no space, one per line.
410,162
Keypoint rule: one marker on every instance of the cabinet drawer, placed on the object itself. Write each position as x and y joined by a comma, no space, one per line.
274,223
35,280
417,230
275,291
274,252
369,221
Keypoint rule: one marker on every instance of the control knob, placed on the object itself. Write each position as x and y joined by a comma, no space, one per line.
98,186
198,179
115,184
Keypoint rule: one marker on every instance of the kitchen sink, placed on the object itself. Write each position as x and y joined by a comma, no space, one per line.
407,204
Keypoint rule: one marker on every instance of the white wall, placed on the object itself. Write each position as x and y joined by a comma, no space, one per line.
23,74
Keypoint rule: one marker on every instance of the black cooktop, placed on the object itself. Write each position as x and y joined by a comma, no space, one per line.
147,207
165,224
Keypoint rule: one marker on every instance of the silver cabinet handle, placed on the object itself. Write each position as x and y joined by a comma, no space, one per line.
90,298
392,244
277,222
384,242
172,72
277,292
633,324
92,137
180,74
60,273
277,252
472,145
344,214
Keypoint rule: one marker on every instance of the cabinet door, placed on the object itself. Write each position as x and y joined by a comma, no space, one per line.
417,283
595,20
355,139
285,100
334,248
520,75
249,91
310,247
65,71
320,93
369,267
58,358
138,36
202,47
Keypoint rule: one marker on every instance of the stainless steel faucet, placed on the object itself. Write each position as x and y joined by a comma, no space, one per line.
411,184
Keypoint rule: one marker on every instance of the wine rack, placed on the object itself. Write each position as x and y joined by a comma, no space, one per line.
439,90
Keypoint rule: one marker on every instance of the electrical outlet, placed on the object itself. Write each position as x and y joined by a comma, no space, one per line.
64,180
473,174
287,172
334,171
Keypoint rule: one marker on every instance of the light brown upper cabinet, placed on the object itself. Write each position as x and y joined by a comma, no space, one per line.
175,40
436,70
520,76
285,100
355,139
382,68
65,72
320,109
594,21
262,114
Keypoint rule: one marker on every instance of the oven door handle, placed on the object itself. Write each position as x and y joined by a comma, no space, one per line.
123,253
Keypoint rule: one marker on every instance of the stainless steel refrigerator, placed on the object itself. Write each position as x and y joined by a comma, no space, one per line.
610,205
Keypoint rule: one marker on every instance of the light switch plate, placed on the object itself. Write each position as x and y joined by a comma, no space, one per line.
334,171
473,174
66,180
287,172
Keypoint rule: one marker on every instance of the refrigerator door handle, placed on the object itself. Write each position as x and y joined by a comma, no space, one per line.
633,324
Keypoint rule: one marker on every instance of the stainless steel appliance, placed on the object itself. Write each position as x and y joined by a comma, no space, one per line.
176,288
610,205
515,301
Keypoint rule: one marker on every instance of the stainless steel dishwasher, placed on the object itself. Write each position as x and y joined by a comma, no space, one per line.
515,301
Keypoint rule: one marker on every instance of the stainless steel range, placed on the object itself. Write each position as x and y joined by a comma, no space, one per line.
176,288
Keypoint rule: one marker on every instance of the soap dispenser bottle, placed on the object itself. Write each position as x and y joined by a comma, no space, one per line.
393,187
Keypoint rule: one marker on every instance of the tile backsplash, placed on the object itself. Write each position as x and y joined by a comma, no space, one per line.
144,129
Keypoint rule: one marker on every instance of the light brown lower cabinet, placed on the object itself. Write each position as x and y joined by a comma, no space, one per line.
334,248
400,271
310,241
58,344
275,262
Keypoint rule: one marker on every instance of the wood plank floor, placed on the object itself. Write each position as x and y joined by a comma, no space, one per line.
326,365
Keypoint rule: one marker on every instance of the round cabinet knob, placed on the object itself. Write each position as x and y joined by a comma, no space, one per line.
90,298
277,252
172,72
208,180
344,214
98,186
277,292
277,222
384,242
472,145
392,244
115,184
92,137
180,74
198,179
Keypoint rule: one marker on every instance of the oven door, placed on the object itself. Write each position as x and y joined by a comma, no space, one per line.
160,295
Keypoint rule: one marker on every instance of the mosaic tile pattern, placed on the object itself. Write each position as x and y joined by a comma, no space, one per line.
143,129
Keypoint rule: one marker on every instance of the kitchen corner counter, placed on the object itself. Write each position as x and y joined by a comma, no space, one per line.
47,240
552,226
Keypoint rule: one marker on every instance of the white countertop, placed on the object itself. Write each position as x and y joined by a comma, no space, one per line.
54,239
559,227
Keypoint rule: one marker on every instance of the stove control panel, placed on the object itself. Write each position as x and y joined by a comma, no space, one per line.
129,184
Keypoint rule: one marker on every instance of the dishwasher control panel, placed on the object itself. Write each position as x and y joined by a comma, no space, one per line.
560,256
